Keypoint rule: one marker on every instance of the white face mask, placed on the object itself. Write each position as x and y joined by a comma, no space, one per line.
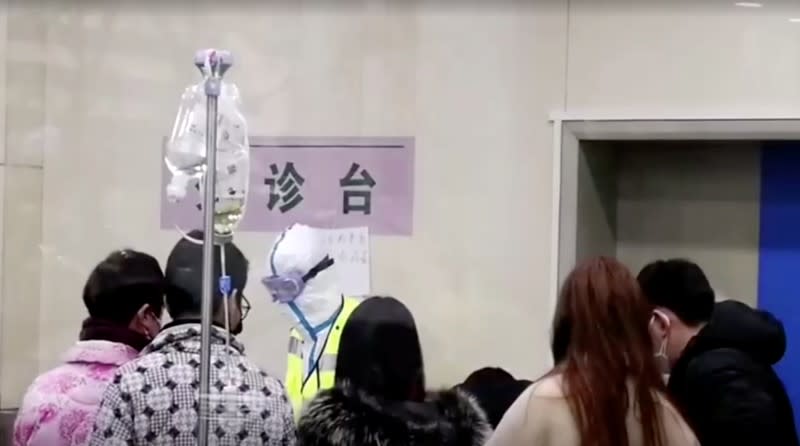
662,360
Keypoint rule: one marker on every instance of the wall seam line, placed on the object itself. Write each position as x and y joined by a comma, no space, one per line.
4,7
566,56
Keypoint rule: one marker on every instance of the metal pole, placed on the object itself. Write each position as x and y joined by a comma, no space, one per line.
219,63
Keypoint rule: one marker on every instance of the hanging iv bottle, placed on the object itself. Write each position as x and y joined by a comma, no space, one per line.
233,161
185,154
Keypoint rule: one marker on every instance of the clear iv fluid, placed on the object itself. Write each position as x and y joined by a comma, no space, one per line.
233,162
186,154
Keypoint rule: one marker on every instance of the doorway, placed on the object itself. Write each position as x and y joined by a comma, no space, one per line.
724,193
646,200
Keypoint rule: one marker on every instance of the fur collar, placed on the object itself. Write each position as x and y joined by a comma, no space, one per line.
344,416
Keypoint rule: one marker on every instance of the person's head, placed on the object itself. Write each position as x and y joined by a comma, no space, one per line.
683,301
301,277
379,351
126,289
602,344
487,375
184,272
495,390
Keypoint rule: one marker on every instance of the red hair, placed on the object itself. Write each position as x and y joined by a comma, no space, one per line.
602,345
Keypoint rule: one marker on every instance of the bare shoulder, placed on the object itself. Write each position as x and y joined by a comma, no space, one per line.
548,387
543,401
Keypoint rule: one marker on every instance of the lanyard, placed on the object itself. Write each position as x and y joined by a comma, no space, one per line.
314,369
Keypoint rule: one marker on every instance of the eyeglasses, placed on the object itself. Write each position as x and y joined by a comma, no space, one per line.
245,307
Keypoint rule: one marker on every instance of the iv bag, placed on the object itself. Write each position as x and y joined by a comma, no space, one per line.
233,161
186,153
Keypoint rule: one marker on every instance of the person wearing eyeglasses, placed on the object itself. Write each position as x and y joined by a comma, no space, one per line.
154,399
301,280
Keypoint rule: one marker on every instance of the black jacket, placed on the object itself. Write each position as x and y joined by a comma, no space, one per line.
344,416
724,383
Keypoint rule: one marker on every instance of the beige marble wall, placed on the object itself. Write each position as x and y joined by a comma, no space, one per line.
683,57
23,84
474,82
3,57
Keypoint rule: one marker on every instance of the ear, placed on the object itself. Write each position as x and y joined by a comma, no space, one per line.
662,319
143,311
235,304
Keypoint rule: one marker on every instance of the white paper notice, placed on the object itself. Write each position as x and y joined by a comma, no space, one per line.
349,247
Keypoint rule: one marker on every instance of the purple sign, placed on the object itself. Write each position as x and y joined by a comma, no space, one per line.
323,182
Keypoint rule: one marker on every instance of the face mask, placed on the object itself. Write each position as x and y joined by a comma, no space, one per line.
662,360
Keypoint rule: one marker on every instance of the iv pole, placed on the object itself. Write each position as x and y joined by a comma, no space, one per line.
218,64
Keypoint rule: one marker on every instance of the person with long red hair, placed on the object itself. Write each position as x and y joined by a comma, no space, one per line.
605,389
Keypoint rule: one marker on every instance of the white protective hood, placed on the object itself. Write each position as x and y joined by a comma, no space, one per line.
299,249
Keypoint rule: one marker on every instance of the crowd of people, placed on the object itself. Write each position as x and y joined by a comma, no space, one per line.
647,360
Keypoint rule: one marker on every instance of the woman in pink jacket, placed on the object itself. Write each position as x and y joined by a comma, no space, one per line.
125,297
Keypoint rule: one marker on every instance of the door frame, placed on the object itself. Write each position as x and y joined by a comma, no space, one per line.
570,129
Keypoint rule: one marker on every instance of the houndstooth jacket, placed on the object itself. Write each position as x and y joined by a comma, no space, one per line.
154,399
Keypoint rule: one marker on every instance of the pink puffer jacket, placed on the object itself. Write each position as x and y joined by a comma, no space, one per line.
60,406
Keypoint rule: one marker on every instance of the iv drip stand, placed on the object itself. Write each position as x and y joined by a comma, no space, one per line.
219,62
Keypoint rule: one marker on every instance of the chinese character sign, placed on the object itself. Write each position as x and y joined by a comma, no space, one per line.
285,188
322,182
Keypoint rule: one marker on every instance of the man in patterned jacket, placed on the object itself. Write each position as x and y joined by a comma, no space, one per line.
154,399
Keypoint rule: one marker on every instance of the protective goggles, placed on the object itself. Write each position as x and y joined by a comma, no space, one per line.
288,287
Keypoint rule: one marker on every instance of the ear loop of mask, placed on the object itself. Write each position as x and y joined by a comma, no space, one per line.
146,330
662,349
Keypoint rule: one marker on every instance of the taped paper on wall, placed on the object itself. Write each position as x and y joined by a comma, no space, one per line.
349,247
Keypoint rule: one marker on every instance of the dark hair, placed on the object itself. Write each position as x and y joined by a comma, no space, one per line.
121,284
680,286
379,351
602,323
488,375
184,274
495,390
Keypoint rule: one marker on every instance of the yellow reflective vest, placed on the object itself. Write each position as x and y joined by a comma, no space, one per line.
302,387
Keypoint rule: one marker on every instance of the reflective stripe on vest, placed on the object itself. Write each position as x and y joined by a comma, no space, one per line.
301,392
295,346
327,363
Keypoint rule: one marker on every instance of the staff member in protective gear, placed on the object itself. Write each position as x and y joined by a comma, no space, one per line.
300,278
